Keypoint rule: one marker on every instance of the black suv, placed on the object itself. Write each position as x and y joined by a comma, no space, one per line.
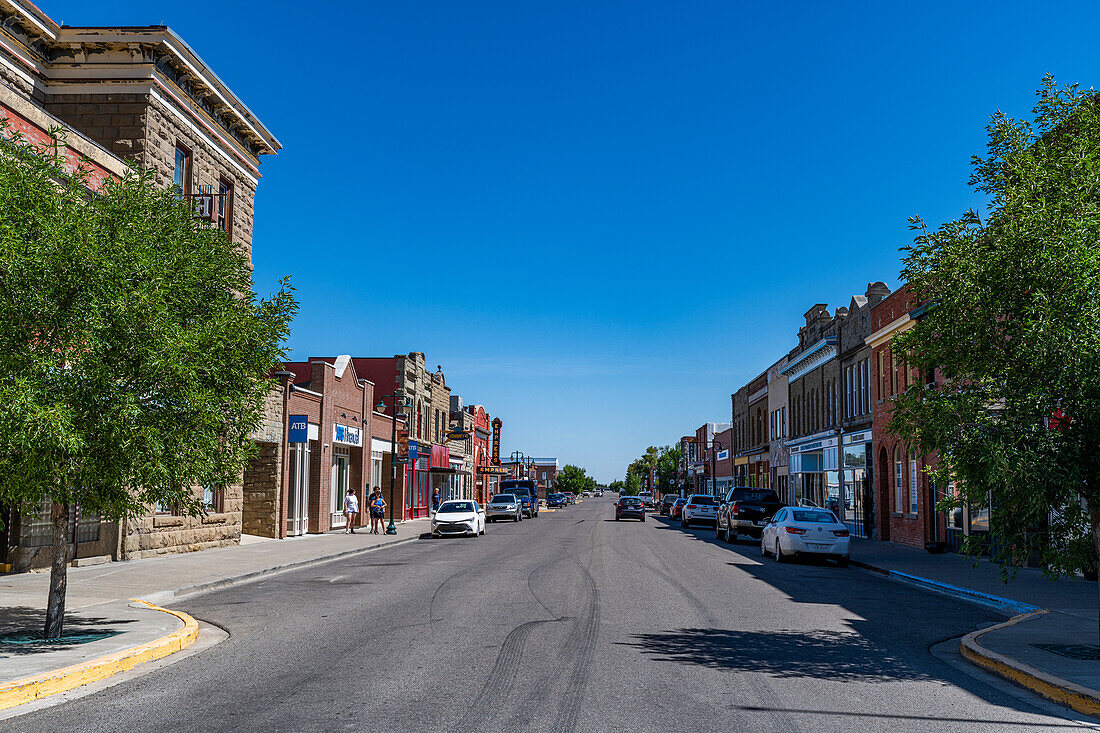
745,510
667,501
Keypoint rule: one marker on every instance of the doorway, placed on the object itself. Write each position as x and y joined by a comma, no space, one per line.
297,500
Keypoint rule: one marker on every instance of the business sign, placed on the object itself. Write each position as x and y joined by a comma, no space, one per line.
413,452
347,435
457,435
496,441
298,429
723,455
493,470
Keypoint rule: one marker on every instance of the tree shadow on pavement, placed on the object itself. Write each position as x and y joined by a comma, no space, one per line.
835,655
21,631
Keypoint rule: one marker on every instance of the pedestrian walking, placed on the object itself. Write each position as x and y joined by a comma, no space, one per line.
351,511
377,511
436,501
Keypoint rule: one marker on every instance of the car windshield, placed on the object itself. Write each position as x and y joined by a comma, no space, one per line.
504,499
703,499
630,502
813,515
751,495
456,506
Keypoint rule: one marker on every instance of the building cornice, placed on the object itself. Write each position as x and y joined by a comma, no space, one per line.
820,353
887,332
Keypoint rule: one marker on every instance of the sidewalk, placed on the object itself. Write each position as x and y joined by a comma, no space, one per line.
1050,643
101,619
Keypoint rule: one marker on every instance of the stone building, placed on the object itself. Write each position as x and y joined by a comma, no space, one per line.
813,375
856,455
430,398
133,95
485,481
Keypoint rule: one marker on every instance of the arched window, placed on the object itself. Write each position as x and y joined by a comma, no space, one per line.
419,421
899,492
912,482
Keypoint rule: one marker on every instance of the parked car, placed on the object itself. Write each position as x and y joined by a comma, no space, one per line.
570,498
796,530
504,506
629,507
586,492
556,500
699,509
599,492
647,499
458,518
677,510
526,491
745,510
666,503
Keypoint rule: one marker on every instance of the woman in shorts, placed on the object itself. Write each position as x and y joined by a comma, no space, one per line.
377,511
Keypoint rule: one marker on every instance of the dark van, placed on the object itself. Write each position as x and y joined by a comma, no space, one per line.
525,490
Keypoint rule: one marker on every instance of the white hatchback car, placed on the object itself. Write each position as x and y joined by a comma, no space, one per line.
796,530
458,517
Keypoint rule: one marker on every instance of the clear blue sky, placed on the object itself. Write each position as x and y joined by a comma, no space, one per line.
603,218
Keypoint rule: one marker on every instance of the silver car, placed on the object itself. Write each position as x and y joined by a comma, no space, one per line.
504,506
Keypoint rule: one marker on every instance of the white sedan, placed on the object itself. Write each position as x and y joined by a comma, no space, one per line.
796,530
458,518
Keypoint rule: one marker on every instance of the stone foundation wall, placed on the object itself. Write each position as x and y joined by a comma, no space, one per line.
261,492
163,534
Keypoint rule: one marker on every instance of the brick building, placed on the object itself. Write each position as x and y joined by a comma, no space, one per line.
141,95
485,482
905,497
750,434
429,415
706,436
300,489
687,464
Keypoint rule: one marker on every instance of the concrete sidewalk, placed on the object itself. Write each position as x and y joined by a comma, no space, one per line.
102,620
1050,643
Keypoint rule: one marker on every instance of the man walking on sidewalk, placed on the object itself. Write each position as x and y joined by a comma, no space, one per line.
351,510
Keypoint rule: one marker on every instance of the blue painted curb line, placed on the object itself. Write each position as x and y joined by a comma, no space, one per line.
997,603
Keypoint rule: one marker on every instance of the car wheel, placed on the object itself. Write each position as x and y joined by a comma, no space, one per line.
779,556
643,517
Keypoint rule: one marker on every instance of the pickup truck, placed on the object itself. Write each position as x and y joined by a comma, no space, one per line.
745,510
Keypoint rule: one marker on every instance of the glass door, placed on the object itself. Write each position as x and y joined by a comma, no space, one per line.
341,474
297,500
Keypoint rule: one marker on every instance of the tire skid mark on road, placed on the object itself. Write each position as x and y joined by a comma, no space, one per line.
581,646
501,679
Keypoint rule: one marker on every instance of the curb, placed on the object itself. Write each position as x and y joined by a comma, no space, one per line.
36,687
997,603
1061,691
200,588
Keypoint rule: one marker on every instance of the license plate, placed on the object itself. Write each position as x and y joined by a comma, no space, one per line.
812,546
759,523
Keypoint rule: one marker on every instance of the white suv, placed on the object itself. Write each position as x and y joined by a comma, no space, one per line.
699,509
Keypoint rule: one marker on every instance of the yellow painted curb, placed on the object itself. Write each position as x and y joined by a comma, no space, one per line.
36,687
1061,691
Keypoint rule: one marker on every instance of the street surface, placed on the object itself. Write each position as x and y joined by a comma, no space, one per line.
571,621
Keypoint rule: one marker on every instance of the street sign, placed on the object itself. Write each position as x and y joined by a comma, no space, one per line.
298,429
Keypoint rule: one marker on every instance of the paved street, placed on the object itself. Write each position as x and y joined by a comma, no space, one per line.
567,622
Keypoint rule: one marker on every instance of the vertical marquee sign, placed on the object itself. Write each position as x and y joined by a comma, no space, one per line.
496,441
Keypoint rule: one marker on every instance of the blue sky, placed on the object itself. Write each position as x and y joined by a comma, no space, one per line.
603,218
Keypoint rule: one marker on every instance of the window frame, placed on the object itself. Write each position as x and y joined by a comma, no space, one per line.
185,152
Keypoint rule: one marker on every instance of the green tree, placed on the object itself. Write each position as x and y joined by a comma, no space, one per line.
574,479
133,351
633,484
1013,323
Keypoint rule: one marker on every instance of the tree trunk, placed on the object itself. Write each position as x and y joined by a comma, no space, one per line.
55,606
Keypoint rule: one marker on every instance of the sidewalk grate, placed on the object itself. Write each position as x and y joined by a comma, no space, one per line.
1085,652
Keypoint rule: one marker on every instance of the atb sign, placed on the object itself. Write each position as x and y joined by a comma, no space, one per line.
298,429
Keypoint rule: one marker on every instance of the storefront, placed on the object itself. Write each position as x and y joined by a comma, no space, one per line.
813,469
417,482
857,483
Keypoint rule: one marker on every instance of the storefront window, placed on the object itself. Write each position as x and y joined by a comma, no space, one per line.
899,495
912,482
340,476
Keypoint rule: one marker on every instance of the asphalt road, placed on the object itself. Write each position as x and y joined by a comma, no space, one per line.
568,622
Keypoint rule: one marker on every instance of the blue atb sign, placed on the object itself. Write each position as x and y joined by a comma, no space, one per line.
298,430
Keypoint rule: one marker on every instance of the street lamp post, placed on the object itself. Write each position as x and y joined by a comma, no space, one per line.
714,446
392,528
517,460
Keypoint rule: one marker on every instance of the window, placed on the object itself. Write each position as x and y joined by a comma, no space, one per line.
212,498
865,385
882,374
182,172
912,482
225,207
783,423
341,465
899,496
893,376
376,468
